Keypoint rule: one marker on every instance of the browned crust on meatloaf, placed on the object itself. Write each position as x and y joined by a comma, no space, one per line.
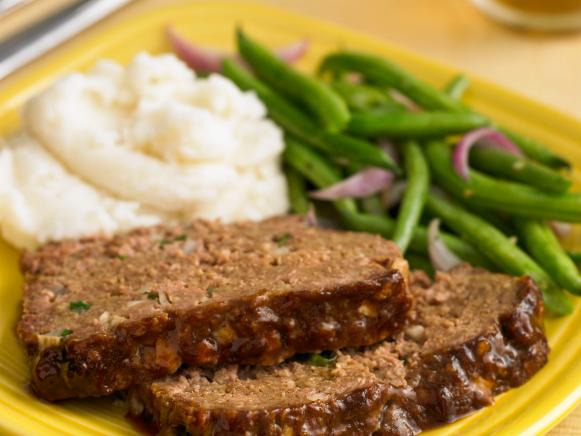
290,311
445,386
438,385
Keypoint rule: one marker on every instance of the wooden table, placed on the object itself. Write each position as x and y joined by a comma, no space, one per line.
545,67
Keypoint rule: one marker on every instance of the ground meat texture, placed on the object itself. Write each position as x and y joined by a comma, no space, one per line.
102,313
471,335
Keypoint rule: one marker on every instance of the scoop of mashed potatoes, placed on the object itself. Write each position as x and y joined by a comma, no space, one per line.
151,142
41,201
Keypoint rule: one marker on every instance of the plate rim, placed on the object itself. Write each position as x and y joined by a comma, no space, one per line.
90,38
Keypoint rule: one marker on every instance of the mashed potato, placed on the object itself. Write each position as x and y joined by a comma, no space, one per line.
41,201
121,147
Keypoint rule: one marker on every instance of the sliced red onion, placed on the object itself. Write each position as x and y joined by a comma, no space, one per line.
197,58
293,52
393,194
210,61
442,258
484,135
561,229
362,184
311,216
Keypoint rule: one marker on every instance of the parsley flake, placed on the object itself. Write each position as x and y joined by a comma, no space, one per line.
65,332
152,295
322,359
122,257
181,237
79,306
283,239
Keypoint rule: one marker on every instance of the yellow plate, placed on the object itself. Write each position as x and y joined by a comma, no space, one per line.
532,409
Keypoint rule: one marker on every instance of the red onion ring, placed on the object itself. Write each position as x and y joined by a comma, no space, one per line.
362,184
210,61
561,229
441,257
311,216
197,58
475,137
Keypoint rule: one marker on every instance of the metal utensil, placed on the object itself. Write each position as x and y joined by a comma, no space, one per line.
52,31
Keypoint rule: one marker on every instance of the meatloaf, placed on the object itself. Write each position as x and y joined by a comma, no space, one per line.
471,335
100,313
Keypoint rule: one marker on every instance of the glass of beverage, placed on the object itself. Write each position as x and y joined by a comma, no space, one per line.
549,15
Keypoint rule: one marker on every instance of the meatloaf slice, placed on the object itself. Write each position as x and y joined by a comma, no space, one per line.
472,335
101,313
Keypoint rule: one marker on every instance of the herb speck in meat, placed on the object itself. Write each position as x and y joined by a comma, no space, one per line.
283,239
79,306
152,295
322,359
65,332
181,237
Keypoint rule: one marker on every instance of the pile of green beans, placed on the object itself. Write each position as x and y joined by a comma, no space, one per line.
385,73
317,96
382,72
332,123
290,118
322,173
500,250
512,198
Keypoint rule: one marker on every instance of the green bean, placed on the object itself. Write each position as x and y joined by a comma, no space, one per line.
355,150
361,97
544,246
499,250
412,124
486,214
329,108
457,86
535,150
297,123
505,165
419,243
372,205
512,198
419,262
297,192
385,73
415,194
575,256
315,168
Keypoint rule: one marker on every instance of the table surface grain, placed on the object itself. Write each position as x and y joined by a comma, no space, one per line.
546,67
